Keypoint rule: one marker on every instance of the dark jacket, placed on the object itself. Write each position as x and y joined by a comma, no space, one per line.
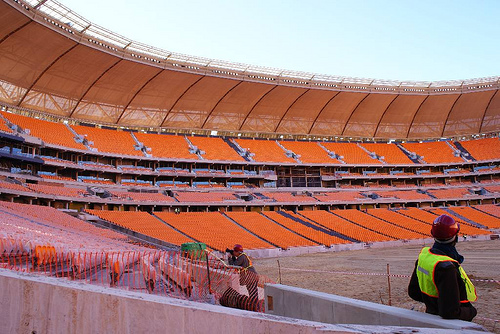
241,261
451,290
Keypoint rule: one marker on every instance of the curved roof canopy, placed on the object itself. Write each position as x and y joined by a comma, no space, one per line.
54,61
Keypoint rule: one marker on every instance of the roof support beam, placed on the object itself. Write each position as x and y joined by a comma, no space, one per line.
222,98
449,113
180,97
43,72
136,93
92,85
248,114
14,31
382,116
415,115
321,111
485,111
291,105
352,113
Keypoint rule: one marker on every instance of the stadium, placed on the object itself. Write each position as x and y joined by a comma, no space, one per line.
127,171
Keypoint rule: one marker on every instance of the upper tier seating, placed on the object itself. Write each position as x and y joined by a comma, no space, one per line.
483,149
288,197
144,223
264,150
377,225
309,152
143,197
267,229
49,132
109,141
4,127
339,196
477,216
402,194
342,226
352,153
391,153
13,186
208,197
433,152
215,149
166,146
449,193
57,191
302,229
212,228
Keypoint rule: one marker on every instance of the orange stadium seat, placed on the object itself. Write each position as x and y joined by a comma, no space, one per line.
339,196
166,146
352,153
304,230
65,231
391,153
477,216
215,230
215,149
264,150
377,225
57,191
402,194
144,223
342,226
309,152
49,132
433,152
269,230
483,149
109,141
449,193
491,209
406,222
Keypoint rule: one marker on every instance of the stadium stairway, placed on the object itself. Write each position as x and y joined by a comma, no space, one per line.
243,227
318,227
462,149
473,223
238,149
412,156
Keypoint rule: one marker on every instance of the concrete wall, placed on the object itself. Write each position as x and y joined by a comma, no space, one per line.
36,304
317,306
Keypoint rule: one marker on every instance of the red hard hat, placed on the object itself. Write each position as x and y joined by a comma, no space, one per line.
444,227
238,248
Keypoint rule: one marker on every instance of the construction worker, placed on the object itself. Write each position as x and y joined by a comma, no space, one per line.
248,274
438,280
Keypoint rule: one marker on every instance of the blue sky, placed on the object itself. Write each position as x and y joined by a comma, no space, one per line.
397,40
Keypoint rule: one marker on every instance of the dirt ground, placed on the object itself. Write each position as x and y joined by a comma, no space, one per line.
327,272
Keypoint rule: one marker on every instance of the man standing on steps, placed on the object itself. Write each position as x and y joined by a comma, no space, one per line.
248,274
438,280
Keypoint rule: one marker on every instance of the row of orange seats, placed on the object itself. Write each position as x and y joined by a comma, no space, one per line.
212,228
144,223
171,146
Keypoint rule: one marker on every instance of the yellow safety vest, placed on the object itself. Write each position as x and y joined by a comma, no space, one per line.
426,265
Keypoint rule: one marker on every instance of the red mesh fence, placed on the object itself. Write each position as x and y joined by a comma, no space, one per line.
198,276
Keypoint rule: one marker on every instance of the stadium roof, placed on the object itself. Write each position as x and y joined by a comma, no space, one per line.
53,60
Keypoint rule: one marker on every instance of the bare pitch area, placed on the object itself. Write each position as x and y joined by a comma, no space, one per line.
362,275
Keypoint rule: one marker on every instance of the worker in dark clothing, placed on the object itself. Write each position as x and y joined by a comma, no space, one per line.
438,280
248,274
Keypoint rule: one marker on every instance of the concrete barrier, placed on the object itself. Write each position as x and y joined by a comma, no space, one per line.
323,307
37,304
